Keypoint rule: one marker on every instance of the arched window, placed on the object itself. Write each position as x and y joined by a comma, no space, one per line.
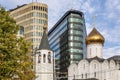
96,50
84,66
86,75
39,58
90,52
44,57
82,76
49,58
95,66
94,74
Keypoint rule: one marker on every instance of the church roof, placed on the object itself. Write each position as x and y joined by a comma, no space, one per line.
115,58
95,58
44,41
94,37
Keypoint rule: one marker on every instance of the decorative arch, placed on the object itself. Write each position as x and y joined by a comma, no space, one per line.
105,65
94,68
112,64
72,71
83,68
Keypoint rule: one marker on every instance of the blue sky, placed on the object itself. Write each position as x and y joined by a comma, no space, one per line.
107,17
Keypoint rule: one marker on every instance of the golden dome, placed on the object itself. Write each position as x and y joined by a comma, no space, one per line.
94,37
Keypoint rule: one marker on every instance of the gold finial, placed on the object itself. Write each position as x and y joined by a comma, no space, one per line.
94,22
44,27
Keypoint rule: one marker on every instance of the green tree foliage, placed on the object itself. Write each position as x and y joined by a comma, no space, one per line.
15,60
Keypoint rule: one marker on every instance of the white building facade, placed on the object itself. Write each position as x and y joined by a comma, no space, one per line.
101,70
94,66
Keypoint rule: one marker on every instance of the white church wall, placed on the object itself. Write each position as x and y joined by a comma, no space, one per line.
73,71
94,50
83,69
105,68
95,68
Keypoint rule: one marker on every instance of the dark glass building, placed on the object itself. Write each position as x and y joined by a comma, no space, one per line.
67,39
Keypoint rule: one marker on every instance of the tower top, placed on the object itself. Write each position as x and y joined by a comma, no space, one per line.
44,41
94,37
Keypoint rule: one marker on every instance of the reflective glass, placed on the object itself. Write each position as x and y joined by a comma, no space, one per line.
80,20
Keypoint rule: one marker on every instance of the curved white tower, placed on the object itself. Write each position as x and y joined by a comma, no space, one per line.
44,60
94,42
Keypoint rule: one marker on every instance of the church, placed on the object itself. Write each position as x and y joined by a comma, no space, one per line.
93,66
43,59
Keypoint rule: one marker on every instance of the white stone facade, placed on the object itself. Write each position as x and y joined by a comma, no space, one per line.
101,70
44,65
94,50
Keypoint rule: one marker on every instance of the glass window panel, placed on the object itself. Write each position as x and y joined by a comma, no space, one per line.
78,38
75,44
80,20
75,50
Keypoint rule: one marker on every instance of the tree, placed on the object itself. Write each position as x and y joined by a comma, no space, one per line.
15,58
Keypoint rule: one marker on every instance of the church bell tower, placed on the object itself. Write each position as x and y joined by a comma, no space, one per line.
43,59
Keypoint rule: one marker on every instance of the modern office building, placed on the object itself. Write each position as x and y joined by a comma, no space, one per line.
32,17
67,39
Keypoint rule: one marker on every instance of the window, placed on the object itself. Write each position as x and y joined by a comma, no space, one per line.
44,57
76,20
95,66
75,44
76,32
84,66
96,50
77,38
85,75
39,58
49,58
90,51
94,74
75,50
82,76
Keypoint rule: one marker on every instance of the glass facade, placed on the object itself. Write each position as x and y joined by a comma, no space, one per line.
67,39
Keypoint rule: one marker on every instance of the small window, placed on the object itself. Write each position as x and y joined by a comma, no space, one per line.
49,57
85,75
94,74
84,66
90,51
39,58
82,76
95,66
96,50
44,58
